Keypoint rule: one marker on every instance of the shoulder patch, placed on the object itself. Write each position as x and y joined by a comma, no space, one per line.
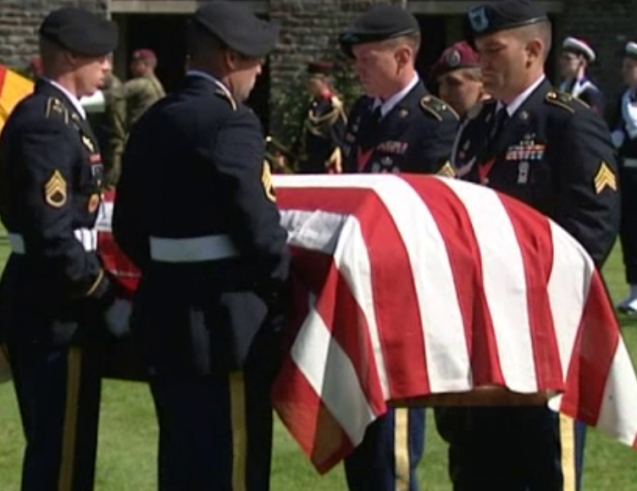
224,95
437,108
55,192
605,178
56,110
561,99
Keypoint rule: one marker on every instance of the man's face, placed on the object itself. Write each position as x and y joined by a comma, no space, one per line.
377,67
244,76
570,63
138,68
461,89
90,73
629,71
503,58
315,86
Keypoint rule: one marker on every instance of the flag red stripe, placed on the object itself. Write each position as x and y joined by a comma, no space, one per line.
3,77
403,348
464,255
593,355
534,236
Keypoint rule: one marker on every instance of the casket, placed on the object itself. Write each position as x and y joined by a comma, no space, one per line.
425,290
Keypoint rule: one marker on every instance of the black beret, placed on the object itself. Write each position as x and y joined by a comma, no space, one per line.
499,16
80,31
378,24
237,27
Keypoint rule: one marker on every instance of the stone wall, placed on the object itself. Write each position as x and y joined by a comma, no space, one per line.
19,20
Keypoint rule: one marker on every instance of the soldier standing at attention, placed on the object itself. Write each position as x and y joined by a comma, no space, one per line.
576,57
551,151
396,127
195,210
625,140
55,297
321,139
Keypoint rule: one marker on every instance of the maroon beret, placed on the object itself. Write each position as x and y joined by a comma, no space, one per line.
459,55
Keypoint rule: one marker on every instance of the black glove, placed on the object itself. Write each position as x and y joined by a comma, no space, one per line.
117,317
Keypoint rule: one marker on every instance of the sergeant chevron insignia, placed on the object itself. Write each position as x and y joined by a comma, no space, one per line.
605,178
55,190
447,170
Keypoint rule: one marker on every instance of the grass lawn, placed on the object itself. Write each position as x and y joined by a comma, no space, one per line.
126,460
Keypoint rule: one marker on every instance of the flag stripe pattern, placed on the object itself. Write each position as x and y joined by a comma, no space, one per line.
411,286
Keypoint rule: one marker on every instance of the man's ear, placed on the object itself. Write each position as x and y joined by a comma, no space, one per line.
534,49
230,59
403,56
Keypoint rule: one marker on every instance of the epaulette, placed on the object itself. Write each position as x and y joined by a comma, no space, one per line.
561,99
336,102
437,108
223,94
56,109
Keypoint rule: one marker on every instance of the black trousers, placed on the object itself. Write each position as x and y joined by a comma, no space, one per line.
527,448
387,459
58,391
628,229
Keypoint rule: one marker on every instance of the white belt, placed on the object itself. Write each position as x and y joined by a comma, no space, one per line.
630,163
207,248
86,236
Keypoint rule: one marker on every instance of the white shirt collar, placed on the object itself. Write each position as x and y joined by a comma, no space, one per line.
515,104
207,76
74,100
392,102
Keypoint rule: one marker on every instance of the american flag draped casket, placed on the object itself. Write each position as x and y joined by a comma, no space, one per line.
408,287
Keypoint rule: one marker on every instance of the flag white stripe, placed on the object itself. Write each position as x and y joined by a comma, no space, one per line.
504,278
331,374
320,231
619,405
568,289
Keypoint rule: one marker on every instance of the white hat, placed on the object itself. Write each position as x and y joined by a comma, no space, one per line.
631,49
579,46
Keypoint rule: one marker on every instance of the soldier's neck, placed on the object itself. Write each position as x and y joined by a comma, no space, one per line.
65,80
400,83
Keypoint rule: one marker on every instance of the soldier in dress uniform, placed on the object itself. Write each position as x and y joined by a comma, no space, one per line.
551,151
577,55
55,297
196,211
321,138
396,127
625,140
459,79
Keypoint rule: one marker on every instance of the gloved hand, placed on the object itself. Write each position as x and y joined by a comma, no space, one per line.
117,317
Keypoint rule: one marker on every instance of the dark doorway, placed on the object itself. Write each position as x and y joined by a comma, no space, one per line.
166,36
434,35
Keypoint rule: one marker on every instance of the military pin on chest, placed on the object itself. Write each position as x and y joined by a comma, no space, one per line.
88,143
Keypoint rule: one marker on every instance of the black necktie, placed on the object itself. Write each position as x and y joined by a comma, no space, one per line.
501,117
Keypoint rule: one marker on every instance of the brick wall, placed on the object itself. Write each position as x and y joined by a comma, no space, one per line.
19,20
